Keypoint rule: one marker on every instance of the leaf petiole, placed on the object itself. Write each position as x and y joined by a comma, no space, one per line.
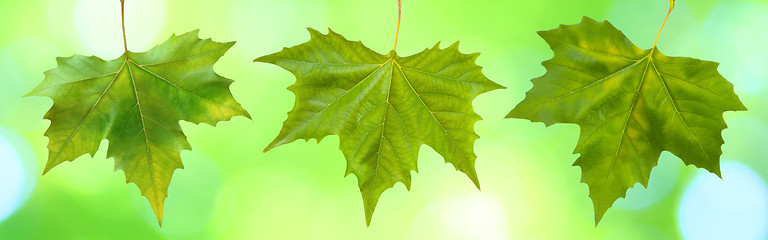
399,14
122,18
671,6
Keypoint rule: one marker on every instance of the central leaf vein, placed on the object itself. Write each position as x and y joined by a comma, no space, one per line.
623,134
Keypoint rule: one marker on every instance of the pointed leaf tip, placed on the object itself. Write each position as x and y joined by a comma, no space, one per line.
454,45
159,217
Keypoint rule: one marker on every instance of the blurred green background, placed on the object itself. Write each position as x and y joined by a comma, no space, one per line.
229,189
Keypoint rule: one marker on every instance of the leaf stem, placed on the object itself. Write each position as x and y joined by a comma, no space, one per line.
122,18
399,14
671,6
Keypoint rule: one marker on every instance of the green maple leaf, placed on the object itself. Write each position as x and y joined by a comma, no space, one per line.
383,107
136,102
631,104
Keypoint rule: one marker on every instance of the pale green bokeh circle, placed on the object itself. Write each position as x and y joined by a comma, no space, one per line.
98,24
469,216
264,26
733,34
18,172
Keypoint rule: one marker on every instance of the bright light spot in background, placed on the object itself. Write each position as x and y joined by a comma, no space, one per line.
264,26
97,23
733,208
663,180
733,35
12,181
473,216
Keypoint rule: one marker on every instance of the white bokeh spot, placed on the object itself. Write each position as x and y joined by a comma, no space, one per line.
735,207
97,23
262,24
11,178
473,216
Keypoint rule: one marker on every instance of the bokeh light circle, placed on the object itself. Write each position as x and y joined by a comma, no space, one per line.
97,23
16,172
265,26
731,34
11,179
735,207
471,216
